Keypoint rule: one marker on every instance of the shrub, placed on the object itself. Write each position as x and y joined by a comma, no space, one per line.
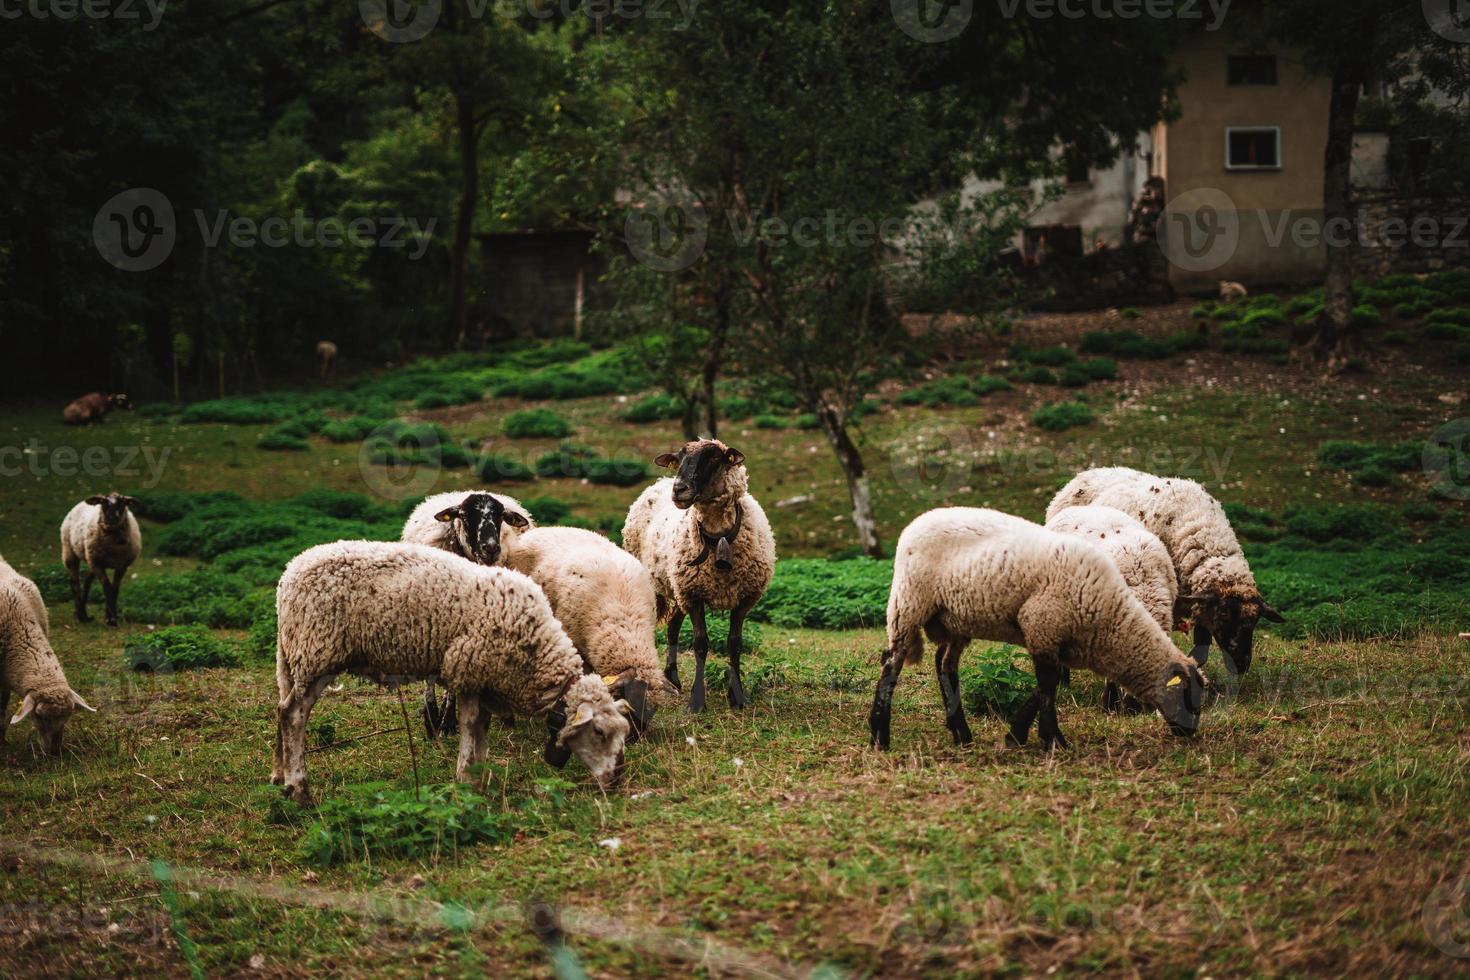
1253,523
54,583
1203,311
243,411
1372,464
1397,338
1301,304
819,594
1187,340
1354,522
1408,311
165,506
1059,416
1248,338
1125,343
809,420
453,390
336,503
571,460
201,596
496,468
179,648
950,390
654,408
290,437
1446,331
260,642
354,429
1056,356
1366,317
772,422
1037,375
994,684
547,510
402,823
1128,313
987,383
1263,318
1458,316
536,423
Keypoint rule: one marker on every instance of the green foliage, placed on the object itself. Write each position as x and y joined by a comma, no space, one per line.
574,461
1092,369
772,422
176,648
1056,356
378,822
499,468
1059,416
402,443
54,583
1371,464
1253,523
1125,343
608,372
993,683
285,437
654,408
1128,313
1263,318
1250,338
260,641
535,423
1459,316
1352,522
352,429
1367,318
820,594
547,510
201,596
1446,331
717,627
1187,340
1037,375
953,389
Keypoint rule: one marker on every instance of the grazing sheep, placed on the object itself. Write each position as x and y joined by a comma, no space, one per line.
604,599
1220,592
326,356
93,407
28,665
1141,558
103,532
392,612
473,524
1232,291
707,544
963,573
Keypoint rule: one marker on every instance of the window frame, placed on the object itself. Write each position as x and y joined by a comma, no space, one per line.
1248,167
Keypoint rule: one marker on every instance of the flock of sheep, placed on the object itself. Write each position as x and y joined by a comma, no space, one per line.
517,620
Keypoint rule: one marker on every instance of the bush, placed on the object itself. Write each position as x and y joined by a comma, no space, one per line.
1458,316
54,583
354,429
654,408
495,468
401,823
1056,356
1125,343
290,437
1187,340
203,596
994,684
1093,369
1253,523
574,461
1372,464
260,642
337,503
1446,331
717,628
547,510
1354,522
536,423
1037,375
1059,416
1367,318
952,389
1128,313
1264,318
453,390
1203,311
1396,338
815,593
243,411
179,648
1248,338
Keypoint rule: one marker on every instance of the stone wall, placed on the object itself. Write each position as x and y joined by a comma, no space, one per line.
1410,234
1129,276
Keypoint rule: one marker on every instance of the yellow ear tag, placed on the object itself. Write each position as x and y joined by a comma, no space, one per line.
1174,681
609,679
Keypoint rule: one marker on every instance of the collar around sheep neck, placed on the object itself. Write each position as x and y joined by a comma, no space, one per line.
720,543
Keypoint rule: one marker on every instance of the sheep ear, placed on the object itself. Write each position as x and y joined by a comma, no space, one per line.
556,756
515,519
80,703
26,707
447,515
665,460
95,500
131,502
1270,613
636,694
734,457
576,723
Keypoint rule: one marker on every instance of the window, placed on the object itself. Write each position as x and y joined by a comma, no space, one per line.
1251,69
1257,148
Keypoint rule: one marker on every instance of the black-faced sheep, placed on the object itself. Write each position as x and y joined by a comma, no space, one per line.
708,545
392,612
963,573
103,532
1219,591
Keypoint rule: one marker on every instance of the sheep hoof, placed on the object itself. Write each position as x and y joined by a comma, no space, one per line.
83,618
737,699
299,795
277,779
671,675
1053,742
1014,741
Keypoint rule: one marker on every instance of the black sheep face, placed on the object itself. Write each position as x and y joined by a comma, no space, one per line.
1183,699
1232,620
699,469
114,509
476,526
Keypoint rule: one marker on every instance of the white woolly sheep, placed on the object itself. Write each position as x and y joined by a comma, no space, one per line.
326,357
963,573
103,532
1214,577
604,599
1140,557
392,612
93,407
28,665
707,544
1232,291
474,524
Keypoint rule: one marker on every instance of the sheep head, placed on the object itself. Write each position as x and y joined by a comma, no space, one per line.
1183,698
1231,620
115,508
700,470
595,729
49,708
476,523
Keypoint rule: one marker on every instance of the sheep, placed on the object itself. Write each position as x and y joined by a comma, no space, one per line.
605,600
389,612
707,543
103,532
473,524
92,407
1220,592
1143,561
28,665
1232,291
326,356
963,573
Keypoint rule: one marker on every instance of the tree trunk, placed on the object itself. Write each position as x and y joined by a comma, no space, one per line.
469,165
714,357
858,489
1335,335
689,421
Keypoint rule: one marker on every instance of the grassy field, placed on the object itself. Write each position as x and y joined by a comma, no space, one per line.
1306,830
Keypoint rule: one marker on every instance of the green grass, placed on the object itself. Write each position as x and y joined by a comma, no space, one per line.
1298,834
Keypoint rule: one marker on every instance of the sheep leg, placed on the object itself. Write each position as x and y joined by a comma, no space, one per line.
111,591
4,712
946,668
1048,675
472,740
671,665
295,710
78,594
701,651
1021,724
1201,651
736,644
880,717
